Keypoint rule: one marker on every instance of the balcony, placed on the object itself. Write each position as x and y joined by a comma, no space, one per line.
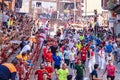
109,5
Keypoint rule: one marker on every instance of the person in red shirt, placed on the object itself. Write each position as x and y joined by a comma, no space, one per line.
76,59
110,69
45,50
83,55
40,72
50,70
48,56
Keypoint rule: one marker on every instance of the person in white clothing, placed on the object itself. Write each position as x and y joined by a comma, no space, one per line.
26,48
101,58
42,37
109,57
71,44
72,58
91,60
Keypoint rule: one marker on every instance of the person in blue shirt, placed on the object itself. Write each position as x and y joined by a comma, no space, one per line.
97,40
109,48
86,39
66,55
57,61
90,38
94,74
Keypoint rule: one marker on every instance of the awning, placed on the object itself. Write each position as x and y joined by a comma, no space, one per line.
88,14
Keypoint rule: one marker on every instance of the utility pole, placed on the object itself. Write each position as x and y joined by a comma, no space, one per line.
85,7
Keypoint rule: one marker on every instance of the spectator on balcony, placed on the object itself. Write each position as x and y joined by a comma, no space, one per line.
8,70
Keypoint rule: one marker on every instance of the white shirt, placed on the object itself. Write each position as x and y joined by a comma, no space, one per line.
92,58
71,44
5,18
25,48
72,56
42,36
115,46
102,53
108,58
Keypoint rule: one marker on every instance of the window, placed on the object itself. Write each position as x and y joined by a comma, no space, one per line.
38,4
69,6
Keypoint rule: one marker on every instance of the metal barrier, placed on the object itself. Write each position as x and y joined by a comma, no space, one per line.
34,58
7,52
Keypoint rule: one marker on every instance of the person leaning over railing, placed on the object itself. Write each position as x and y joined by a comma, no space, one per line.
8,70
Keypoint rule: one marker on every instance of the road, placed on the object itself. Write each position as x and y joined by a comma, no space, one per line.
117,75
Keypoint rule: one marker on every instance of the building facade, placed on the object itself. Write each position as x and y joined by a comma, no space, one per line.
10,4
114,14
61,6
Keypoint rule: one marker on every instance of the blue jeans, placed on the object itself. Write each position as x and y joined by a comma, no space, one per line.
72,64
67,61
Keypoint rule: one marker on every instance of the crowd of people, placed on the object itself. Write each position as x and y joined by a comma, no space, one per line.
79,54
17,29
71,55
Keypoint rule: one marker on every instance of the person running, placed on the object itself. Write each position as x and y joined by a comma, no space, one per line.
59,51
57,61
101,58
69,77
8,70
63,72
78,46
94,73
109,57
91,60
45,76
40,72
72,58
66,55
110,69
79,70
48,56
83,53
50,70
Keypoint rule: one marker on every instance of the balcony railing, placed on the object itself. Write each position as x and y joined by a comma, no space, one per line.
108,5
